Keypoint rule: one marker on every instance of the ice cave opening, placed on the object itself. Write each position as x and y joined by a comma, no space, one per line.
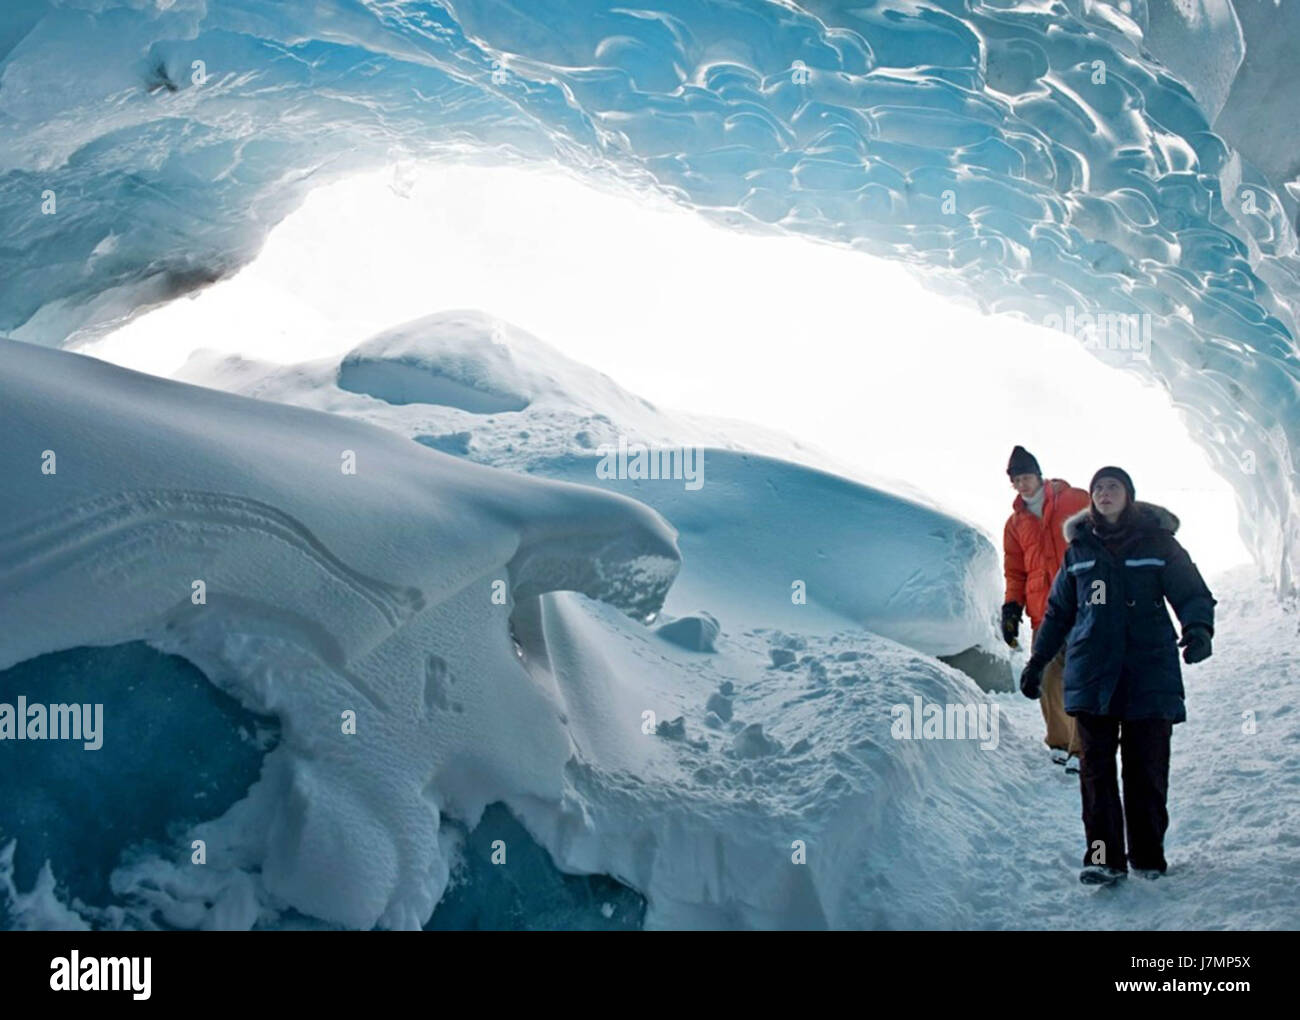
1110,158
844,351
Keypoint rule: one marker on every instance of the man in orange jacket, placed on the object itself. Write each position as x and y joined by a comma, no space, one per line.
1034,545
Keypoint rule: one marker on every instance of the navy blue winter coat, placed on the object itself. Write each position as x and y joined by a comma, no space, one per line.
1122,656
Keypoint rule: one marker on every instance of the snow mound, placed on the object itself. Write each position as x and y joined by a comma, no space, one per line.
784,779
482,633
470,365
697,632
803,808
792,536
566,406
802,544
381,595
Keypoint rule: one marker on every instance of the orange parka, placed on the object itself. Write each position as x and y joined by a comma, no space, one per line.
1034,548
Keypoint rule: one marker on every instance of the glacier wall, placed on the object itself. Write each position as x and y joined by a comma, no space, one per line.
1032,154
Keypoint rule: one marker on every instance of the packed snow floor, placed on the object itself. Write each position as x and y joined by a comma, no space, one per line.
1233,844
966,837
963,837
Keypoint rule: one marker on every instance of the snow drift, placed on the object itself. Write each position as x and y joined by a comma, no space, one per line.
325,592
487,630
749,764
870,555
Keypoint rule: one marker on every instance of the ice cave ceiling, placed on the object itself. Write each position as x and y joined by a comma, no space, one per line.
1036,156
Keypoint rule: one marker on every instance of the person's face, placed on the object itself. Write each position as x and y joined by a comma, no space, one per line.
1026,485
1109,497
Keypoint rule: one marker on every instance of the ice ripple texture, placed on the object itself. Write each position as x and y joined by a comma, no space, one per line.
976,141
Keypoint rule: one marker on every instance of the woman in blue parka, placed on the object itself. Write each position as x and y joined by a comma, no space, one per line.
1123,682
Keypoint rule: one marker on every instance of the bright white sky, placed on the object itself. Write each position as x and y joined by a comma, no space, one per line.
842,350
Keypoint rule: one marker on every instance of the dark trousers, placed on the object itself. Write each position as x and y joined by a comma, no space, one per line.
1144,748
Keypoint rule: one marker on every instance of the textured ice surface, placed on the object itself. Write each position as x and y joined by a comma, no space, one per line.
1031,154
1259,116
1200,41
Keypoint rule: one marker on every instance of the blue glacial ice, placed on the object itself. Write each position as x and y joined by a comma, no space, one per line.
193,752
1034,155
530,894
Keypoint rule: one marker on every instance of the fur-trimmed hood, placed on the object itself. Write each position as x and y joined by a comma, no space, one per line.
1151,516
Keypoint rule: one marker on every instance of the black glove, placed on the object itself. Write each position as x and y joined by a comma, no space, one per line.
1031,677
1011,613
1195,644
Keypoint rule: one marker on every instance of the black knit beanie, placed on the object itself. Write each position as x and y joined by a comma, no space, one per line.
1119,474
1022,463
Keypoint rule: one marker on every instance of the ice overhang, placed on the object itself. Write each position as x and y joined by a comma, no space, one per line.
1032,155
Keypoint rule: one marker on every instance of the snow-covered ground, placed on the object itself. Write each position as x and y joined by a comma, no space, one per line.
1234,792
632,678
1006,828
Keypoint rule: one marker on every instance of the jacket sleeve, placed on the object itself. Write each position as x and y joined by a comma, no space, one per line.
1058,621
1013,564
1185,589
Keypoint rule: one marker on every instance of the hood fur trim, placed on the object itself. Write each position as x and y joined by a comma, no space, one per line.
1151,515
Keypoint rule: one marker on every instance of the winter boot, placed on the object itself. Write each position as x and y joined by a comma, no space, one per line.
1151,874
1099,874
1072,765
